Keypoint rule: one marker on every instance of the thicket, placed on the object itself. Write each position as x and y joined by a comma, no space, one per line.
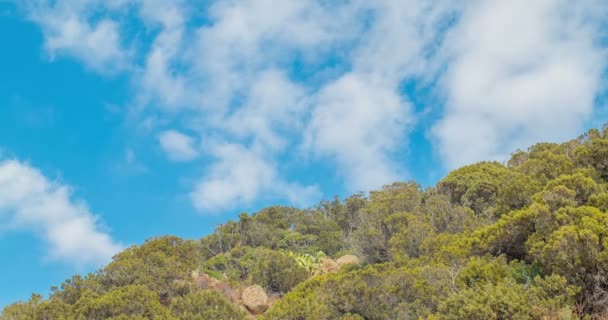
526,239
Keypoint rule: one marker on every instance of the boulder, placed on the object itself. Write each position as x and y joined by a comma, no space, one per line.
329,266
348,259
255,299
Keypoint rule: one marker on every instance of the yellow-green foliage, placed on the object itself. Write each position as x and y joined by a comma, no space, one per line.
310,262
525,240
277,271
205,305
484,288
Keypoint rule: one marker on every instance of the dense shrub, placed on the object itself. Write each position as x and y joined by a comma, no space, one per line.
205,305
525,240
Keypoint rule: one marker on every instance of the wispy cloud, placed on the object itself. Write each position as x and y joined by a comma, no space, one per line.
241,176
31,202
261,79
70,28
362,118
178,146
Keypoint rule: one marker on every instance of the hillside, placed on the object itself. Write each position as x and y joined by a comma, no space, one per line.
523,240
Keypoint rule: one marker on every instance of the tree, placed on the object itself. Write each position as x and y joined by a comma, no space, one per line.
582,185
445,216
408,232
373,233
476,186
575,247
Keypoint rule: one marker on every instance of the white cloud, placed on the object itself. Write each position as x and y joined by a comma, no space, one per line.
272,111
156,80
398,44
68,30
267,77
231,73
271,114
518,72
241,176
242,93
33,203
249,37
178,146
362,119
223,56
360,122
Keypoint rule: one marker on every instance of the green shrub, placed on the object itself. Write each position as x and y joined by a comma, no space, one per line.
277,272
203,305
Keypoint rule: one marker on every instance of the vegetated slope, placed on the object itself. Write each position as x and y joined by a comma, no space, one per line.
525,240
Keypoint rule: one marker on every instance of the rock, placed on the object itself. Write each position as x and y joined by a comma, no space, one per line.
329,266
204,281
255,299
348,259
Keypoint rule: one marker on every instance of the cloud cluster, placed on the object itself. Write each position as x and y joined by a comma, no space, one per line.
70,29
519,72
31,202
359,121
259,80
241,175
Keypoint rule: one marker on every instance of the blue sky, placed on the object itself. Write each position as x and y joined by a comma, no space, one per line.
125,119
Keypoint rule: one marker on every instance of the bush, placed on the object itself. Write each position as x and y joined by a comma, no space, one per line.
124,301
203,305
277,272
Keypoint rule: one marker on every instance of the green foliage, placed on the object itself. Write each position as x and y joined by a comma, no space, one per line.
509,300
158,264
583,186
350,316
547,162
344,214
277,228
380,292
408,232
277,272
489,188
236,264
523,241
205,305
595,155
475,186
445,216
375,229
310,262
124,301
37,308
